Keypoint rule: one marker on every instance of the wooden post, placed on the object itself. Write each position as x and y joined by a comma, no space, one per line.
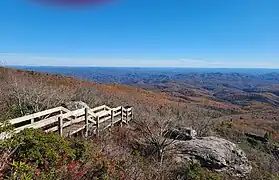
69,132
112,118
86,122
98,126
32,121
132,113
127,116
121,122
60,120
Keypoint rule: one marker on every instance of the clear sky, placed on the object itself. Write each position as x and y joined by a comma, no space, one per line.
190,33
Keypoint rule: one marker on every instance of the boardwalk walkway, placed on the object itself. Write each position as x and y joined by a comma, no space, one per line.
68,123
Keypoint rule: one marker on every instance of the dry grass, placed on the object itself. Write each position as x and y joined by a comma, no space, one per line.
152,111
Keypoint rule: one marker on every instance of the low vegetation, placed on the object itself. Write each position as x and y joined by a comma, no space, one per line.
33,154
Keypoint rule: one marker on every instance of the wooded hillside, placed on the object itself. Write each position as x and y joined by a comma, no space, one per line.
137,151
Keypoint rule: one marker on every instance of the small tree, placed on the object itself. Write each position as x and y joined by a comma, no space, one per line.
151,136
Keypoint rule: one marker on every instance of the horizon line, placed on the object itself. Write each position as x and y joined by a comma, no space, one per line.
176,67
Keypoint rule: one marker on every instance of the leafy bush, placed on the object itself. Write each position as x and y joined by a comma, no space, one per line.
80,148
6,127
21,170
40,149
195,172
49,156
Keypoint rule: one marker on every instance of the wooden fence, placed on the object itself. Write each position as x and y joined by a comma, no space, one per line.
67,123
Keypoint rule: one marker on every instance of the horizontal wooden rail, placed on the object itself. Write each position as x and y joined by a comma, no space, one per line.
62,120
35,115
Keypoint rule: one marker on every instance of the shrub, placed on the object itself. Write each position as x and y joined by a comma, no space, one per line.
22,97
80,148
73,170
47,156
40,149
21,170
228,131
6,127
195,172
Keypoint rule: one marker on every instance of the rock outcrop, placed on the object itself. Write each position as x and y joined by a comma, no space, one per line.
180,133
74,105
214,153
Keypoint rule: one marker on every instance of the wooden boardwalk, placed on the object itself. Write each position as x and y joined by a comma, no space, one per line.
67,123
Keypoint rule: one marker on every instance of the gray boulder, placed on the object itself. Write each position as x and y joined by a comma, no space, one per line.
214,153
75,105
180,133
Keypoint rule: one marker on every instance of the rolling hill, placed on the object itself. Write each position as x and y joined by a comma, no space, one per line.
233,106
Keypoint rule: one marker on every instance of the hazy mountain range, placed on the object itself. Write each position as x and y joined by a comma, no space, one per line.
234,86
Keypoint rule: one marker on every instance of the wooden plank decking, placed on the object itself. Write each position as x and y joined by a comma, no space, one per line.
68,123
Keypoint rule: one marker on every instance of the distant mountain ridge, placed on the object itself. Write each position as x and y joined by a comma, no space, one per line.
238,87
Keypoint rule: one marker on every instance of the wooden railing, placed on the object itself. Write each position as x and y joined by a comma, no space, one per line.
68,122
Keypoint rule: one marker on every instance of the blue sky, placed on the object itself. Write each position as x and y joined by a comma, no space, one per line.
183,33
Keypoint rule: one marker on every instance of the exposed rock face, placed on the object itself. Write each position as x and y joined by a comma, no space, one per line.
257,138
214,153
74,105
181,133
